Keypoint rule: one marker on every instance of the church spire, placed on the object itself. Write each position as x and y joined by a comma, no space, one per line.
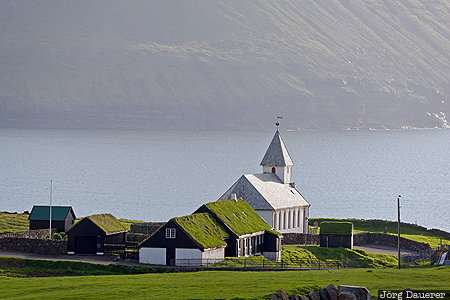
277,154
277,159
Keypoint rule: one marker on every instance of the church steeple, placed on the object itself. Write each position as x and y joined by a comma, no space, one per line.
277,159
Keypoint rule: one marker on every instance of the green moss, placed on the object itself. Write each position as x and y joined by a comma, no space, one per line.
204,229
107,222
345,228
127,223
239,216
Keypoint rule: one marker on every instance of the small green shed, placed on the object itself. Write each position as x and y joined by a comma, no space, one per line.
62,217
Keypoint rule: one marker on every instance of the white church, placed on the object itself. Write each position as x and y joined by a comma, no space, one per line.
273,194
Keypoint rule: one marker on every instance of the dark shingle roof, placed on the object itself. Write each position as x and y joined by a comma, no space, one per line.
42,213
276,154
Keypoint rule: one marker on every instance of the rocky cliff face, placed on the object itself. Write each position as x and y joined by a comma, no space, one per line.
209,64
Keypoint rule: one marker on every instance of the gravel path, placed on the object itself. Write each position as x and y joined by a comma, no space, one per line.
379,249
96,259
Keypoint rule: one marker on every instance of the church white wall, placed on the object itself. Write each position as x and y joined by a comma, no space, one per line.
267,215
153,256
284,173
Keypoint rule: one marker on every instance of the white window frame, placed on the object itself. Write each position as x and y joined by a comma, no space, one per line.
171,233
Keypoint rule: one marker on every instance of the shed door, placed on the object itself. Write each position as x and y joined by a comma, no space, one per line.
170,256
85,245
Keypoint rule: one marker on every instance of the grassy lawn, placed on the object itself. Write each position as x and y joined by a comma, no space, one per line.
362,258
218,284
309,256
13,222
409,231
18,267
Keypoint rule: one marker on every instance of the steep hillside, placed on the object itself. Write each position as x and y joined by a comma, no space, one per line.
224,64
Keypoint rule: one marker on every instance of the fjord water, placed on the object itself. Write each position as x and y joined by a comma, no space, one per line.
156,175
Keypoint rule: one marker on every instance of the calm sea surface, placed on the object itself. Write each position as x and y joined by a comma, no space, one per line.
156,175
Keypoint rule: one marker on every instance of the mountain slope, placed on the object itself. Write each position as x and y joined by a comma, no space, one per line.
224,64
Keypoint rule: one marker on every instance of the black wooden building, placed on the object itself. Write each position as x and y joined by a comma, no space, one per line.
249,234
96,234
63,217
226,228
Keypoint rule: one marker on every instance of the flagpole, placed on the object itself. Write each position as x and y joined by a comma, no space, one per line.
51,190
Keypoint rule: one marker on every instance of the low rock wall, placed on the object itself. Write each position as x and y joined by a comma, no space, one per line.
40,246
31,234
145,228
366,238
299,239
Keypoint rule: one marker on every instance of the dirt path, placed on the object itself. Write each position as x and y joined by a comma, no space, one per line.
379,249
96,259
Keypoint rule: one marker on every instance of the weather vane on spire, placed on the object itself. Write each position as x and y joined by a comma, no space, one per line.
278,123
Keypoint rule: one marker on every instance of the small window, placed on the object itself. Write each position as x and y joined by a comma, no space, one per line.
273,169
170,233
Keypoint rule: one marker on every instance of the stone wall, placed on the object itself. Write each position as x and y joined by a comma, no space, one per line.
31,234
34,245
33,241
365,238
146,228
440,232
299,239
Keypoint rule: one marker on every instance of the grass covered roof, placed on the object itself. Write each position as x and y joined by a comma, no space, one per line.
203,229
108,223
345,228
239,216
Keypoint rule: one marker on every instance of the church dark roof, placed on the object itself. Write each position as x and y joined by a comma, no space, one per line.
276,154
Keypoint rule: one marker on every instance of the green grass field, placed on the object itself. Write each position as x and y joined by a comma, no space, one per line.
362,258
13,222
409,231
218,284
18,267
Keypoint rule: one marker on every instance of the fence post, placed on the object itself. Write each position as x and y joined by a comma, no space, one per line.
319,263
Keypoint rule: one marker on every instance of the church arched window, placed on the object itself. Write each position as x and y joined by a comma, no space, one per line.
273,170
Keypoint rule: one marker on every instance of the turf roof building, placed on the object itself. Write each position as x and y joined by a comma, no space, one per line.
215,230
62,217
93,234
273,194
